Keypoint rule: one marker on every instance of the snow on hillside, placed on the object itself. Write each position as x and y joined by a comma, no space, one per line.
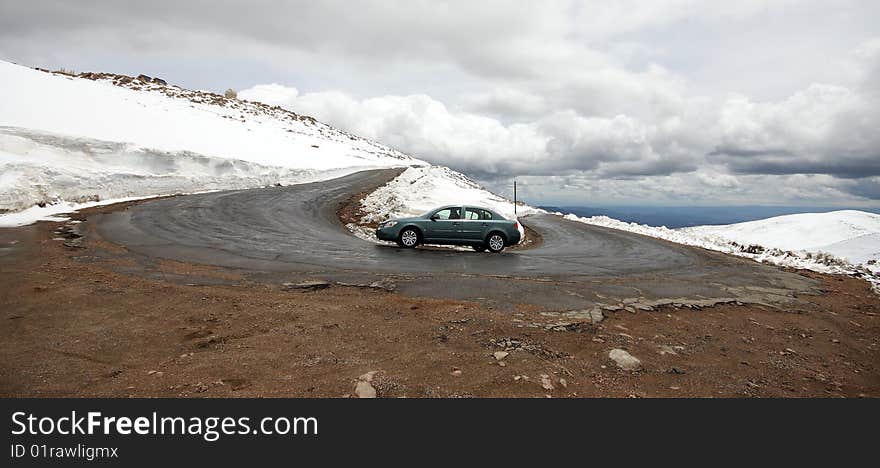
98,136
779,244
43,174
420,189
848,234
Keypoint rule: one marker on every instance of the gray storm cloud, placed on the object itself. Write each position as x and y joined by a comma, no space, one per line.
672,100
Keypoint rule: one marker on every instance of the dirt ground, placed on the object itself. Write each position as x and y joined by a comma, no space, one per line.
82,319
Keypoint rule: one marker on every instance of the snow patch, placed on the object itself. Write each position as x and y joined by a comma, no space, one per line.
848,234
44,173
720,239
420,189
151,114
66,141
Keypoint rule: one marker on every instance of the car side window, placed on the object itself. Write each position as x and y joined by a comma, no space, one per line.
448,213
477,214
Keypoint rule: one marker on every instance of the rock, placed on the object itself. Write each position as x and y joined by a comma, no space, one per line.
385,284
363,389
624,360
456,372
593,315
666,349
499,355
546,383
307,285
563,382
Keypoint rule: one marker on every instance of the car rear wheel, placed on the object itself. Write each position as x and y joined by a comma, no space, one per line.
479,248
495,242
409,238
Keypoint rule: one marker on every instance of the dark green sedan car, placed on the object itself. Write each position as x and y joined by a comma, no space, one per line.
480,228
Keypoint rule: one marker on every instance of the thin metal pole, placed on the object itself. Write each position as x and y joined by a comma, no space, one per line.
514,196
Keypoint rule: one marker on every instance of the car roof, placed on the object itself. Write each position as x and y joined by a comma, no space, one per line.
465,206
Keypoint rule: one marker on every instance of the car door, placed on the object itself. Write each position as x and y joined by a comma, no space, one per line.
445,224
475,223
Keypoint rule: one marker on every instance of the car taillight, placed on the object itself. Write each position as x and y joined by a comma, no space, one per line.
516,225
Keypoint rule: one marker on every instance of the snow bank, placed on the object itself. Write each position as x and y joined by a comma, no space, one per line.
850,234
101,136
775,248
152,115
419,189
43,174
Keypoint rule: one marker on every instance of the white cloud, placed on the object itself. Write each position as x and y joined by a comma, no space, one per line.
714,98
273,94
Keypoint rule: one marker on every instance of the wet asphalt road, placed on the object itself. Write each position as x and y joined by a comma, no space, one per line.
290,233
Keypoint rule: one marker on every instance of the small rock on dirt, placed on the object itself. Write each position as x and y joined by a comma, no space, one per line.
307,285
385,284
625,360
499,355
364,390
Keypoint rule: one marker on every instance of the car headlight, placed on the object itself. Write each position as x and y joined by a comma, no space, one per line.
388,224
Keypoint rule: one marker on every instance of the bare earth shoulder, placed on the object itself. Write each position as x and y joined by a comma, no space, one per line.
138,307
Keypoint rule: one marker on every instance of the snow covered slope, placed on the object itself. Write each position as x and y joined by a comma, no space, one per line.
420,189
853,235
856,253
98,136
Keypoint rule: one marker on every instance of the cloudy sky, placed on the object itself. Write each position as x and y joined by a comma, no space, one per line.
653,102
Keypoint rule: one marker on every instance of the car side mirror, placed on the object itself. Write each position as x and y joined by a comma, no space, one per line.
434,217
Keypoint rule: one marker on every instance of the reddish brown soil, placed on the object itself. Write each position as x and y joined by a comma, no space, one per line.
74,326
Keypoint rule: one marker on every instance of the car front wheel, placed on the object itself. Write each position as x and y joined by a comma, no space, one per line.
409,238
495,242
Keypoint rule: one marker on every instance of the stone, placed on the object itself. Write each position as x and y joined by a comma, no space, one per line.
624,360
307,285
499,355
363,389
546,383
384,284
